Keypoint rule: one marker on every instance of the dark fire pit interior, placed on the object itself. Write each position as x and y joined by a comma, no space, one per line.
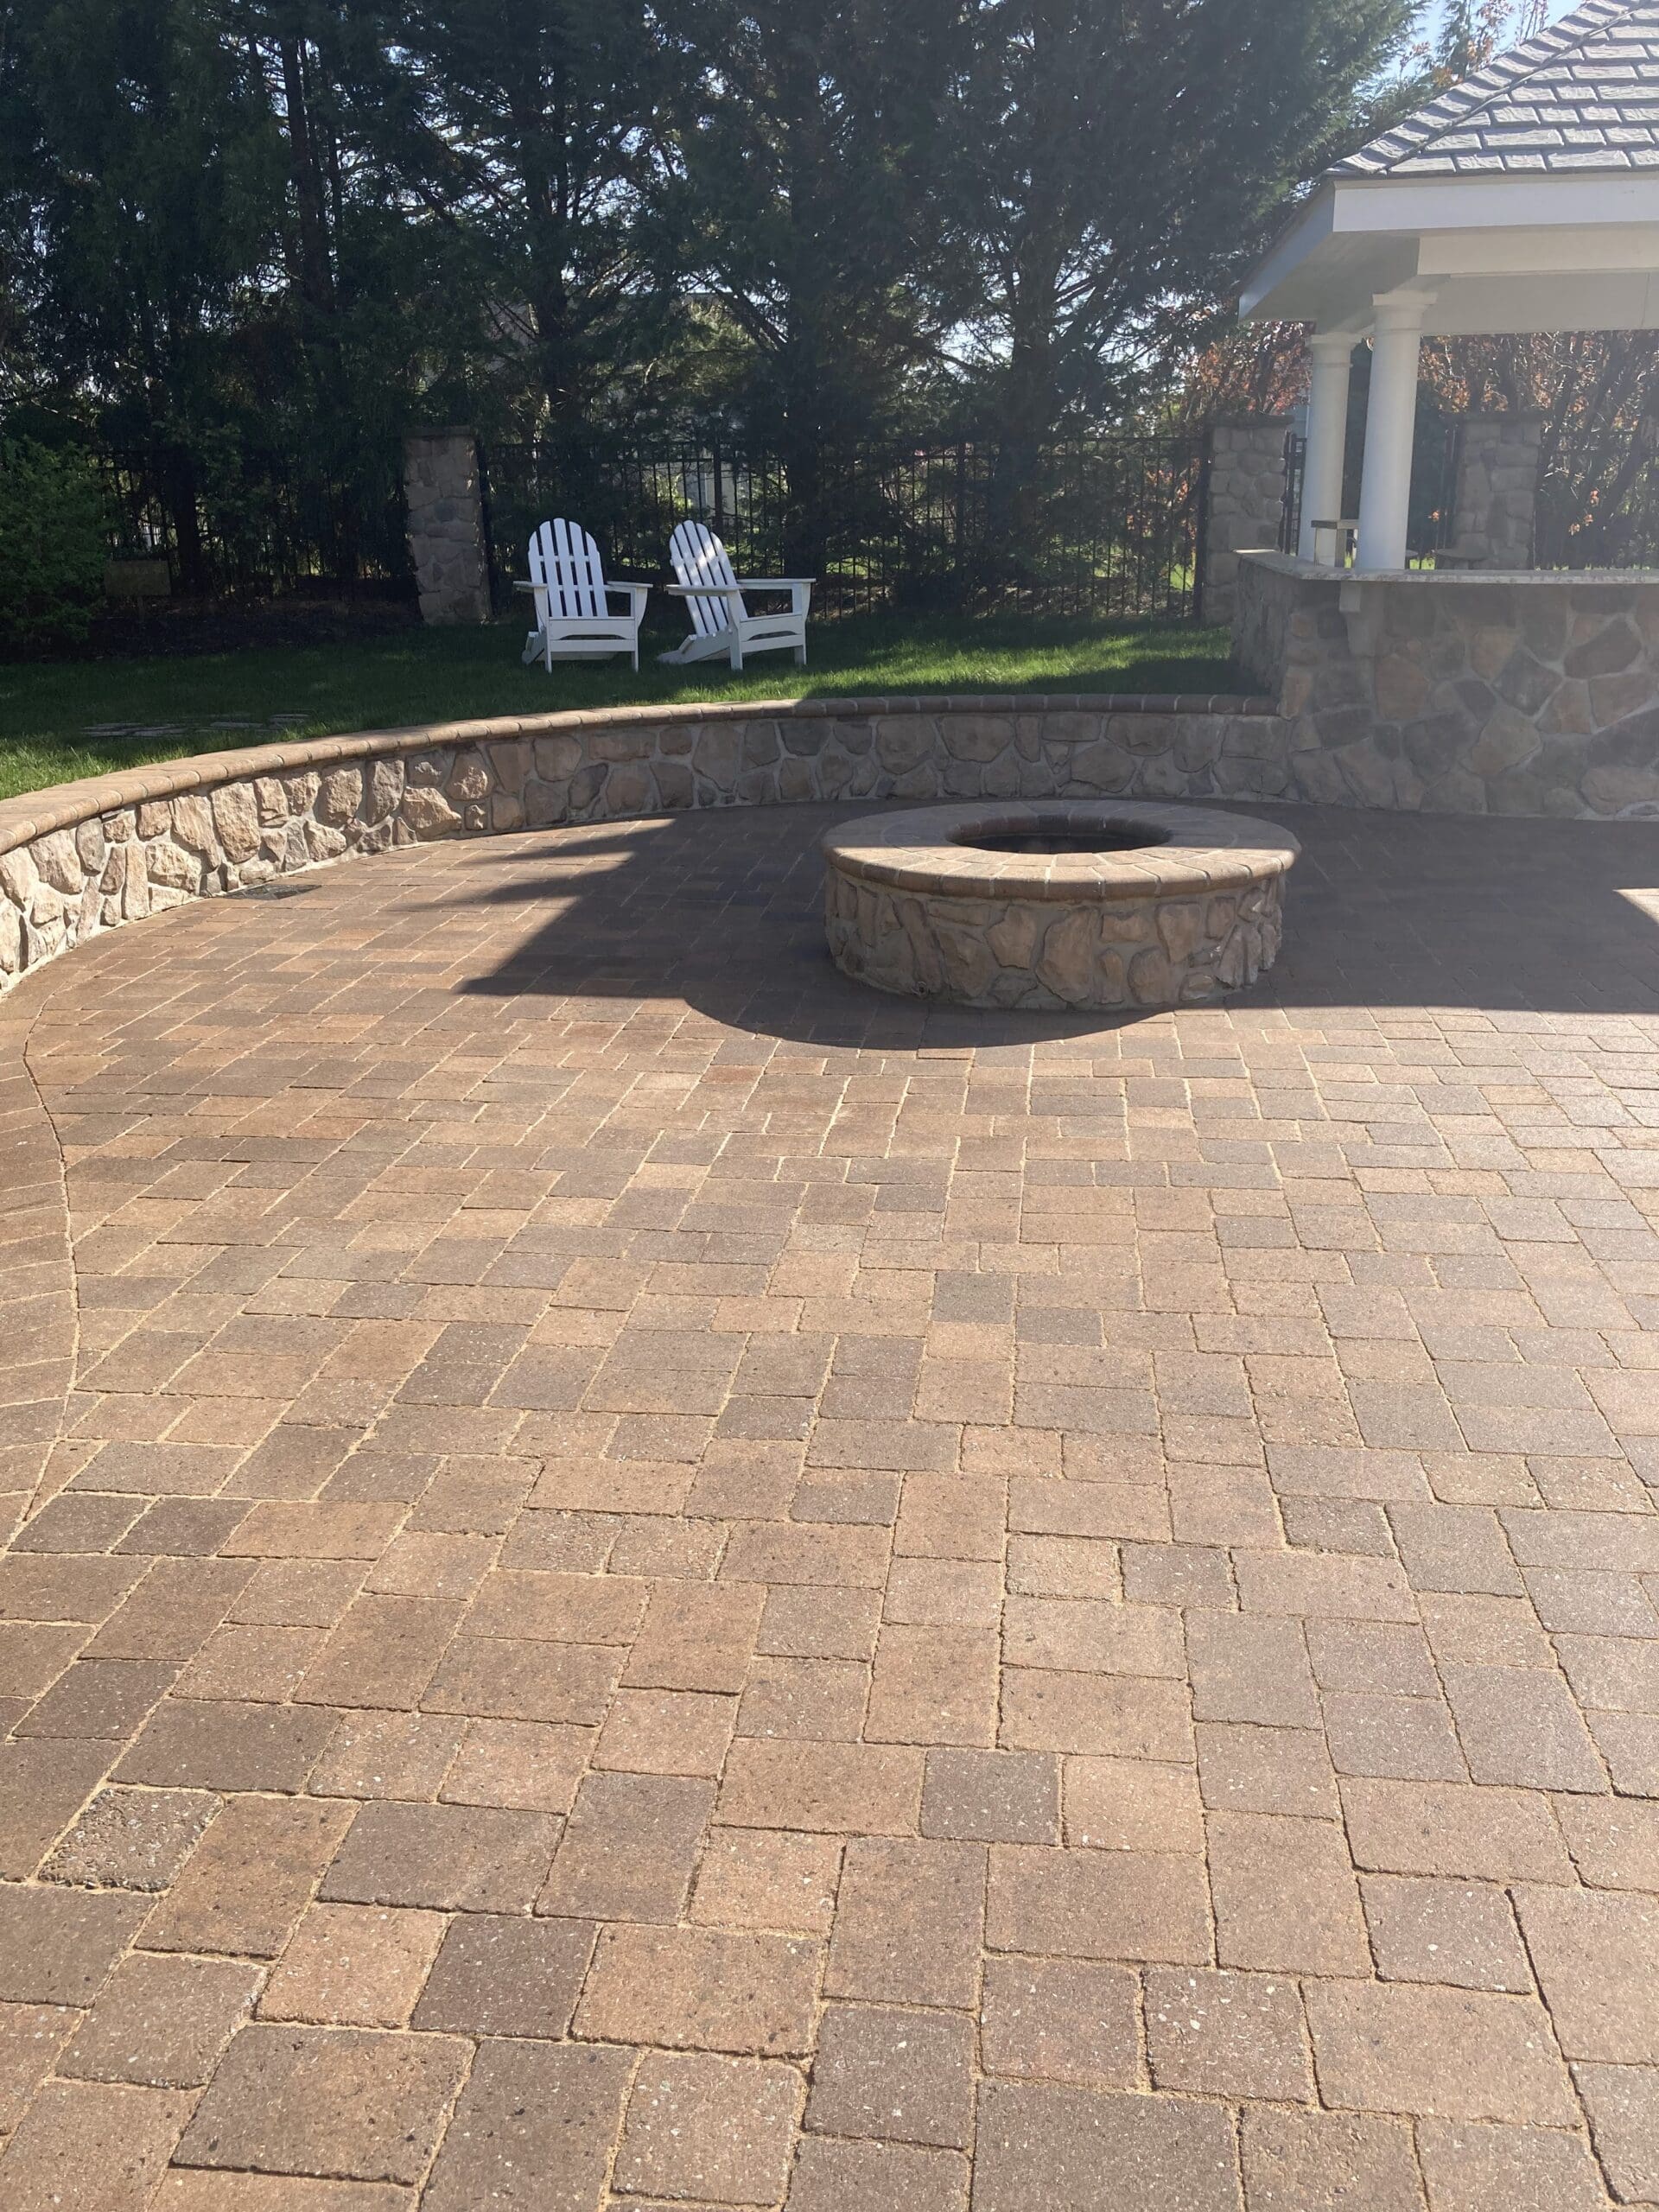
1059,835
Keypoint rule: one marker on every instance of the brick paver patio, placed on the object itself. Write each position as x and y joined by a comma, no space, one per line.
667,1582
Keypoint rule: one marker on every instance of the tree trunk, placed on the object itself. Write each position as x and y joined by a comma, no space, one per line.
176,473
320,336
805,531
801,443
1030,397
555,349
1025,425
539,142
316,275
809,370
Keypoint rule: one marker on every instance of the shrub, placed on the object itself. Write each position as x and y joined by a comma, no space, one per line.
52,548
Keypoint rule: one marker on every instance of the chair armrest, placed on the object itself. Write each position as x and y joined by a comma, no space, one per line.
798,587
706,591
637,595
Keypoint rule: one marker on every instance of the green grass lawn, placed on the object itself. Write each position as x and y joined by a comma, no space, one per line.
50,714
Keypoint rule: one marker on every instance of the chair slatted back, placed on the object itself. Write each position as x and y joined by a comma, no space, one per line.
697,557
567,571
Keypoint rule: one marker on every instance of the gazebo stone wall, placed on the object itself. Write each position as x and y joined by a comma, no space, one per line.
1457,692
1496,495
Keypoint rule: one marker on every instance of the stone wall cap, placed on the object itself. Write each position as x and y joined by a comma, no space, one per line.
1287,564
1506,579
922,850
62,806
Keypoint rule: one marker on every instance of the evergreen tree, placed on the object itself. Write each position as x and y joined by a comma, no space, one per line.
138,197
530,128
805,197
1117,163
212,281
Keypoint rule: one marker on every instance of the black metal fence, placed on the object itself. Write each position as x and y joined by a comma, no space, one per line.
251,527
1109,527
1290,514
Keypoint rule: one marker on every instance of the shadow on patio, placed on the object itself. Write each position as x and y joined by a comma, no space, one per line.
720,910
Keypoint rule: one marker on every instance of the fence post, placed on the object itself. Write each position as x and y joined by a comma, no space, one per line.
1244,508
1495,507
447,547
1201,527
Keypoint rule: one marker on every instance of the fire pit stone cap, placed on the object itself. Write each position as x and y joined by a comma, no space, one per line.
1188,849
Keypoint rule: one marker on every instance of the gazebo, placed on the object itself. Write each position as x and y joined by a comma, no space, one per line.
1526,198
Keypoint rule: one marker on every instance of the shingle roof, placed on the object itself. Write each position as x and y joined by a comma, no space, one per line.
1582,96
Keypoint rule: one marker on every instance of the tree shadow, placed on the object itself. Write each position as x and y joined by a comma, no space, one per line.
720,910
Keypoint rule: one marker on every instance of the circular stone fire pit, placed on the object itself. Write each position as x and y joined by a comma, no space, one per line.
1061,903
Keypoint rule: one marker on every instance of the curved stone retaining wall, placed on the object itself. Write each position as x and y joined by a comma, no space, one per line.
85,857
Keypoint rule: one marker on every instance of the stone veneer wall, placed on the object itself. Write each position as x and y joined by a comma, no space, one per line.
1244,505
1496,496
1457,692
913,905
88,856
443,493
1045,954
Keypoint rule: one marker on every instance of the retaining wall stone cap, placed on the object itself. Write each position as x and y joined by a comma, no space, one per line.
1312,572
62,806
917,851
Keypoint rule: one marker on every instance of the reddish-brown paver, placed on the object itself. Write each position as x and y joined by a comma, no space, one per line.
662,1581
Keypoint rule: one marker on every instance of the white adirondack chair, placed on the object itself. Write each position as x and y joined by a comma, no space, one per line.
574,619
720,621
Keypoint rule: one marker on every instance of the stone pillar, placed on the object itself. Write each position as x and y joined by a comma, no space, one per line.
1245,507
445,497
1497,490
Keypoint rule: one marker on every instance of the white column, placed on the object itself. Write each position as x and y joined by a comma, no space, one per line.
1332,356
1391,430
